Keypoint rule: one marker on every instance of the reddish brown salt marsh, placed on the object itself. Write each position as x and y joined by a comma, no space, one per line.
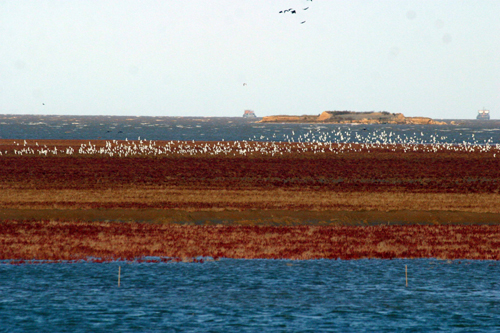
258,200
46,240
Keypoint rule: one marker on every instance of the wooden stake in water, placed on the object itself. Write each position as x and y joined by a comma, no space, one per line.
119,271
406,274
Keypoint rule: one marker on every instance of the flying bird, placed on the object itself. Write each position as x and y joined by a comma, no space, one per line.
244,84
293,11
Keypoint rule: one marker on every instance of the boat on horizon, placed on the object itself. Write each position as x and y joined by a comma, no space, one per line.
249,114
483,114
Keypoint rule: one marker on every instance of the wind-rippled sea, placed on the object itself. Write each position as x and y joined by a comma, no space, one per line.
252,296
247,295
38,127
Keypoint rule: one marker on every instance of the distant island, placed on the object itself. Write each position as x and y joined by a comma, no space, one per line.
354,117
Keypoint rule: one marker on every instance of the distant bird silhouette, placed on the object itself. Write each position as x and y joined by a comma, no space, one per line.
244,84
120,131
43,103
293,11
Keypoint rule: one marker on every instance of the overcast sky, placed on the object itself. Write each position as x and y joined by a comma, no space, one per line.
438,59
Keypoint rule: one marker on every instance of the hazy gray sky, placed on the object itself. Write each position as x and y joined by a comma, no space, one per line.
439,59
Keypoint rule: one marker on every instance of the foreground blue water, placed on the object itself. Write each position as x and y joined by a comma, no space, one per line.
252,295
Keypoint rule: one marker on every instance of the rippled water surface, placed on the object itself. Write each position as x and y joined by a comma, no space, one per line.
38,127
251,296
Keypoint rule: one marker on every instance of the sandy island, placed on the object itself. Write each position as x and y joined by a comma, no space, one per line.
354,117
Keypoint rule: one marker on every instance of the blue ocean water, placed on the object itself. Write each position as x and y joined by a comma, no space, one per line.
38,127
252,296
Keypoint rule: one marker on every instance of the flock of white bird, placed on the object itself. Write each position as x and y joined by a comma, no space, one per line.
337,142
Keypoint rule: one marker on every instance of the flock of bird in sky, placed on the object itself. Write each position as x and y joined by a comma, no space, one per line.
293,11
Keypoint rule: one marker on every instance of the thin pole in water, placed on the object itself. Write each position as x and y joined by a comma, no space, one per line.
119,271
406,274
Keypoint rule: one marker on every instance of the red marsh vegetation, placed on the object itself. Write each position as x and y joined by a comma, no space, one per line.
380,170
361,181
49,240
357,180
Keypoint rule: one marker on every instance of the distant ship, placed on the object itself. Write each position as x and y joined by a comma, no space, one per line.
249,114
483,114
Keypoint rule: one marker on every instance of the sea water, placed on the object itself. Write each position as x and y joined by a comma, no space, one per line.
38,127
232,295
